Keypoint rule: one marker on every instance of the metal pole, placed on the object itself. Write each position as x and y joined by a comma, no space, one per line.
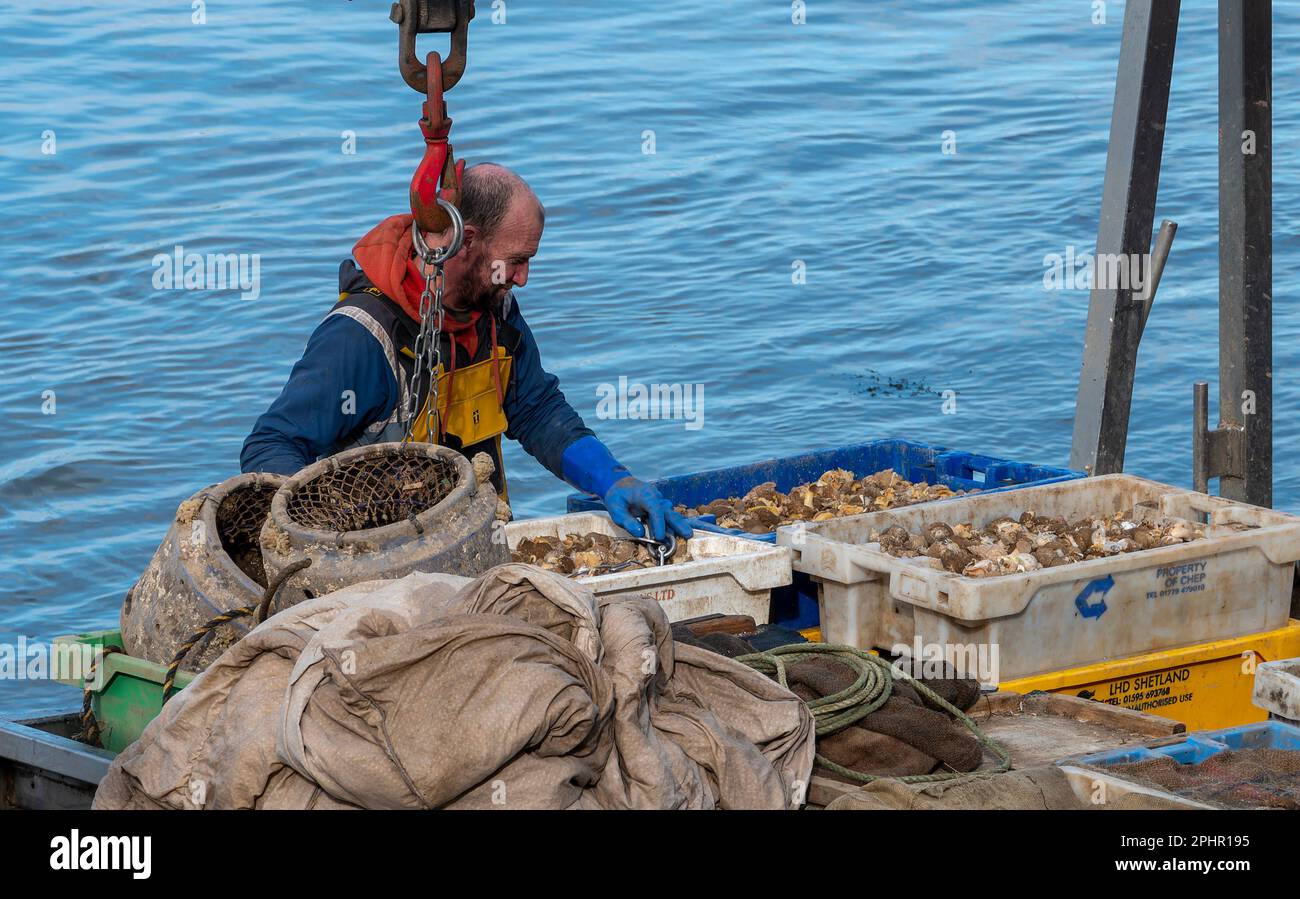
1159,256
1246,242
1200,436
1116,311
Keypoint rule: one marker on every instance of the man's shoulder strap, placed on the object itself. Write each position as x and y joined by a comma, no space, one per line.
357,292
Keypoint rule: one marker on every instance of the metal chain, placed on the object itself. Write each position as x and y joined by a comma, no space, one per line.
428,342
428,357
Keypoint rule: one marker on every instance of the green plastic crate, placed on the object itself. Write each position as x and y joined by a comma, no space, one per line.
130,692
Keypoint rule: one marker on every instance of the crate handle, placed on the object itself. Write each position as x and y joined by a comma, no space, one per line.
1215,510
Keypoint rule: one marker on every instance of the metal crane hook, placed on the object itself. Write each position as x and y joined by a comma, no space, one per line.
414,17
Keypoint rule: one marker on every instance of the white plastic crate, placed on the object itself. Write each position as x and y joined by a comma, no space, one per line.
1277,689
1100,788
727,575
1231,583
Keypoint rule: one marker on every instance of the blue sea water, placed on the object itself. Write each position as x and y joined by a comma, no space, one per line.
777,147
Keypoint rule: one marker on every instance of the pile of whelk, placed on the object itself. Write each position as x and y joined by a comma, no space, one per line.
833,495
1007,546
579,555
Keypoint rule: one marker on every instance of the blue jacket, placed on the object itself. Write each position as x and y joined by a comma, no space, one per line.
308,420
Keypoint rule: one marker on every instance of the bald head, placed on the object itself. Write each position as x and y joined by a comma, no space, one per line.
488,193
503,227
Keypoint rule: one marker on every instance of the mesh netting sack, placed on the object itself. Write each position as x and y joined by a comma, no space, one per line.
209,562
382,511
1234,779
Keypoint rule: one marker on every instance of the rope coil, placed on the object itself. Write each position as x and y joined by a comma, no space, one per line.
873,686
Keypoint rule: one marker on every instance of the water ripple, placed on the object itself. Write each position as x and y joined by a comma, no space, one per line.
772,144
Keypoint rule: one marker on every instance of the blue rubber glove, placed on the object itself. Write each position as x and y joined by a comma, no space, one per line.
629,500
589,466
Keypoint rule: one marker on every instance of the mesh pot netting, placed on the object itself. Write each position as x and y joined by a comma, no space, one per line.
372,491
382,511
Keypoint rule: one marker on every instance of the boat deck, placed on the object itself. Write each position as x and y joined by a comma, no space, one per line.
42,767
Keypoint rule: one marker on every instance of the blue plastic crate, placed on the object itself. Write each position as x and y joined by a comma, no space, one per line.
796,605
917,462
1198,747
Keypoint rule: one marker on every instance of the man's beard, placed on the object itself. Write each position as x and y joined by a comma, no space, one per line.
488,299
485,301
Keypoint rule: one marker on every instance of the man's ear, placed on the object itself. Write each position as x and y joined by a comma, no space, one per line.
472,235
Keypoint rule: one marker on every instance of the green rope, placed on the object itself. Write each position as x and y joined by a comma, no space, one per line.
874,683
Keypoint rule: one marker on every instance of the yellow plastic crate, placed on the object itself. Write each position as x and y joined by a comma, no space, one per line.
1206,686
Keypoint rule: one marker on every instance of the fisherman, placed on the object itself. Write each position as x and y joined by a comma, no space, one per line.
350,388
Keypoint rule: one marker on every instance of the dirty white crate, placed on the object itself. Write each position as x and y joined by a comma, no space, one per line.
1100,788
728,575
1277,689
1231,583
